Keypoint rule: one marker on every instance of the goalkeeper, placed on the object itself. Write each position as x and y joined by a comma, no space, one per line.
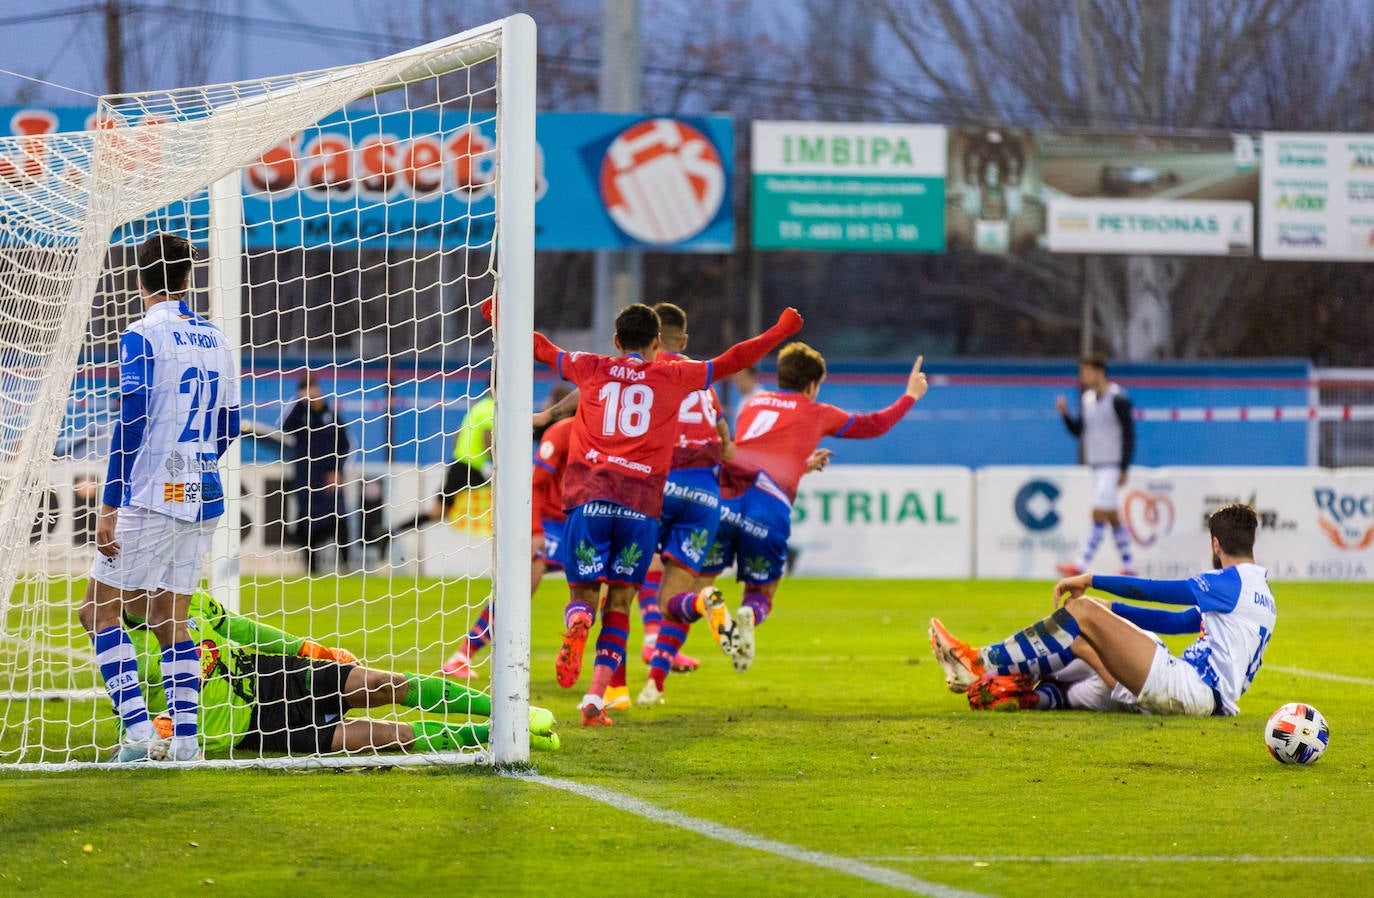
264,690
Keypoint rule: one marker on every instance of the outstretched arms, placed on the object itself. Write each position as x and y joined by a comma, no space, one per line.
751,351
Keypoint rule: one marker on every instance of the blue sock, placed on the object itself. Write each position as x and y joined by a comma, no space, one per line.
1050,696
1094,540
1123,545
1039,650
181,682
114,655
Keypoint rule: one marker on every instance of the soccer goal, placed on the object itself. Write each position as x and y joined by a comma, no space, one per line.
348,224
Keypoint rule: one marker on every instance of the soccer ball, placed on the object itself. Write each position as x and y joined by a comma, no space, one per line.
1296,734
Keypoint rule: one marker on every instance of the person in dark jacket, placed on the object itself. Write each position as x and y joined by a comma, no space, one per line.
318,447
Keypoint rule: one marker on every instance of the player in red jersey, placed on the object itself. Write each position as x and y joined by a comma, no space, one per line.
547,528
618,460
776,439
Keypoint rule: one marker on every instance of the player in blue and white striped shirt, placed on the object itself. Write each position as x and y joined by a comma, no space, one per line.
179,410
1231,608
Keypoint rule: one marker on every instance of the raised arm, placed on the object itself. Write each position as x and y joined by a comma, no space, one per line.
875,424
1075,425
752,351
545,350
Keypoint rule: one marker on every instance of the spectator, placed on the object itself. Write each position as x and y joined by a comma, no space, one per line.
318,447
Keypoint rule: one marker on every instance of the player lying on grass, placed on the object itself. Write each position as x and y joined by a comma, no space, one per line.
1231,607
618,461
778,433
264,690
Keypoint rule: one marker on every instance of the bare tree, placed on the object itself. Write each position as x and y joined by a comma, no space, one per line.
1131,64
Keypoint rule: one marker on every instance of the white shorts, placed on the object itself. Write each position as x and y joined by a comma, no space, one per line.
155,552
1175,687
1086,691
1106,492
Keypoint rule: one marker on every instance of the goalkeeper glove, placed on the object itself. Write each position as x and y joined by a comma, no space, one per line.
316,652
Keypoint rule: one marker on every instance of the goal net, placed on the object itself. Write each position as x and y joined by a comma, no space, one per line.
348,223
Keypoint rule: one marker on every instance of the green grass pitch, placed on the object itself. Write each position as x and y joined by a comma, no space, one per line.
841,739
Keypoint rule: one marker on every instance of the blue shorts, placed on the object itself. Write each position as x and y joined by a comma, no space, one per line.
753,533
691,513
553,541
606,542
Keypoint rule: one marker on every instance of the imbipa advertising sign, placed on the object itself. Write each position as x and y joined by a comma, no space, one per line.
848,186
884,521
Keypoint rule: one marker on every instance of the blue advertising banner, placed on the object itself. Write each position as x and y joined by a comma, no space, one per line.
604,181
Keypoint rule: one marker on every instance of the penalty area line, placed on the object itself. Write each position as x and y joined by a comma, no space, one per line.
846,865
1320,675
1114,859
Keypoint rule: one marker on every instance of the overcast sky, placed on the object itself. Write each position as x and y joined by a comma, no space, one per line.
63,41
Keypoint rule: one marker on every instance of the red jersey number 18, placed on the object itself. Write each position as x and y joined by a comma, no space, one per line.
627,409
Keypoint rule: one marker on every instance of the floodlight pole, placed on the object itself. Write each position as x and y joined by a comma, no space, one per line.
619,274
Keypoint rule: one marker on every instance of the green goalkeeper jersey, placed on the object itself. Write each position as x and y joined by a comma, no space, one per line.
225,642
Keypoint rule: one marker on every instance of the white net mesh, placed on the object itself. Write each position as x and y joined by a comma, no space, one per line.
348,277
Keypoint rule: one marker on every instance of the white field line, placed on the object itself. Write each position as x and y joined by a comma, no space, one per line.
75,655
1320,675
1113,859
846,865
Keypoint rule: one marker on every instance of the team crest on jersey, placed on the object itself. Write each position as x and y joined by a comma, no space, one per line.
209,658
627,559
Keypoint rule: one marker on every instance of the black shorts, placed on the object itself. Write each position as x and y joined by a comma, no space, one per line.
300,703
460,476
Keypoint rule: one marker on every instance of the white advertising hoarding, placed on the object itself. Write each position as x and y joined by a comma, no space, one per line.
1315,524
885,521
1317,196
1172,227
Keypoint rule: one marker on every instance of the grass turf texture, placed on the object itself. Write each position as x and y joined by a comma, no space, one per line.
841,739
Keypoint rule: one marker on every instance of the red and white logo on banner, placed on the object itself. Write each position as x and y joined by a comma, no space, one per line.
662,181
1149,516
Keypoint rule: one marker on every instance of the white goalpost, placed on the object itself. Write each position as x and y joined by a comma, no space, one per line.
348,224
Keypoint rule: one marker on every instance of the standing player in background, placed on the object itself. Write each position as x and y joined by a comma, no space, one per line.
1105,425
179,411
774,446
547,530
1231,608
618,461
319,447
691,513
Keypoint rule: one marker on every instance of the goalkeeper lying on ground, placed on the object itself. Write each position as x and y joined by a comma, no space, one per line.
263,690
